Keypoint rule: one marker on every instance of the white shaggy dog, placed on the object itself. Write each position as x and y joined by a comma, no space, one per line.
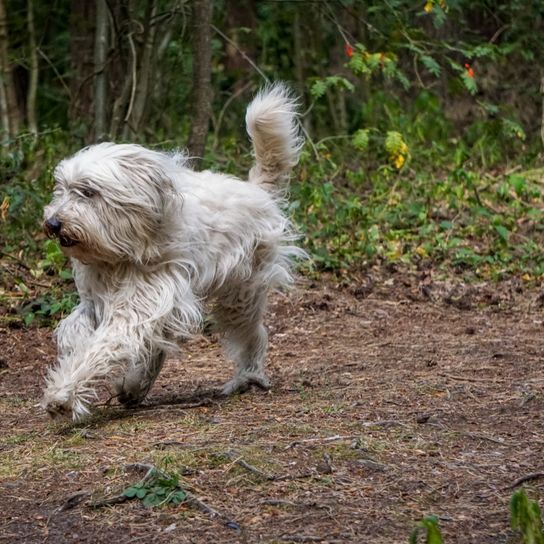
151,241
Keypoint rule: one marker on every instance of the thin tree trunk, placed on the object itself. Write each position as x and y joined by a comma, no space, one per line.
33,76
542,114
202,68
82,68
299,64
11,109
4,117
146,68
100,53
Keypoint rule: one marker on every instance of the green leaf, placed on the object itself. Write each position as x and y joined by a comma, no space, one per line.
152,500
469,83
178,497
142,492
130,492
360,139
29,318
434,536
503,232
66,274
431,65
318,89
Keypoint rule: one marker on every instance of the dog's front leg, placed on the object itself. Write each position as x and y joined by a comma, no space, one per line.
112,347
75,328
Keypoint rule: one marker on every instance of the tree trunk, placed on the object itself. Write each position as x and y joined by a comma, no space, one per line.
240,14
202,68
146,69
4,117
82,67
100,86
11,115
33,72
299,64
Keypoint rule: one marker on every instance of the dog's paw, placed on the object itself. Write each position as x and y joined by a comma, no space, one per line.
58,409
59,404
242,383
129,399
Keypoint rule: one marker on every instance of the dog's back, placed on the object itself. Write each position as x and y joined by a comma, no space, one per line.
273,128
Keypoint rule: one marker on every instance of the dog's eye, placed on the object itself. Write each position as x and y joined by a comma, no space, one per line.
88,193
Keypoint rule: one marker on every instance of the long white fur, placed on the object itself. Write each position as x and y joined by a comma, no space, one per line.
157,242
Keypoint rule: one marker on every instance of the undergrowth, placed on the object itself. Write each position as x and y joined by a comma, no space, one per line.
484,225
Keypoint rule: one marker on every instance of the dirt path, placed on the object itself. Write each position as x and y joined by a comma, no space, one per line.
383,410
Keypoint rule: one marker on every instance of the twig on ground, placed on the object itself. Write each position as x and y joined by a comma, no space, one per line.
109,501
323,440
478,436
469,379
308,538
237,460
193,500
73,501
327,469
523,479
168,406
277,502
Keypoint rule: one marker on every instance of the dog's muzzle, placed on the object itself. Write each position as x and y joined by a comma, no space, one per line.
53,229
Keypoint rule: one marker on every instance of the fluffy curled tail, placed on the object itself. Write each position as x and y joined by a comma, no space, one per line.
273,128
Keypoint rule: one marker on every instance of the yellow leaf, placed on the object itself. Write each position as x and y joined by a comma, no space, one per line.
421,251
399,161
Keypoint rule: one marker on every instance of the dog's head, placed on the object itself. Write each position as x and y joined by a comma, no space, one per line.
109,203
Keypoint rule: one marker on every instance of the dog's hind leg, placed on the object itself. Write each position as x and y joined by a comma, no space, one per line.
138,380
240,318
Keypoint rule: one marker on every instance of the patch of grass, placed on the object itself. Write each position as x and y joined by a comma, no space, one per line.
20,438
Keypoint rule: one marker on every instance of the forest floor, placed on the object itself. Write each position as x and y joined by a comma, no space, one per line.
391,401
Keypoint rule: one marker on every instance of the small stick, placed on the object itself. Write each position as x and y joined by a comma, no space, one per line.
240,462
320,440
73,501
110,501
201,505
526,478
305,538
468,379
478,436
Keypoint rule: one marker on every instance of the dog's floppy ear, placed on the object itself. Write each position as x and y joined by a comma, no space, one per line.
151,174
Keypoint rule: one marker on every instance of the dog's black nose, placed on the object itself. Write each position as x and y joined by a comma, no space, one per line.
53,225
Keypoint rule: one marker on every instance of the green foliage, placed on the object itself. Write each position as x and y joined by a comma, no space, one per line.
526,517
478,225
320,86
157,489
431,529
48,308
360,139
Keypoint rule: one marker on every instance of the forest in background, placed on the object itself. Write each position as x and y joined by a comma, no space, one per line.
423,120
